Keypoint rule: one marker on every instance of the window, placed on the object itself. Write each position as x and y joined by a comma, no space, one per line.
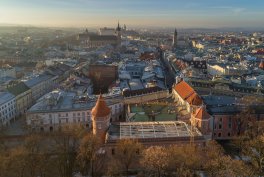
229,134
219,134
66,114
220,126
74,114
99,126
113,151
230,122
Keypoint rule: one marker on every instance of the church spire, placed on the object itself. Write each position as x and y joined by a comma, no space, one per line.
175,32
118,27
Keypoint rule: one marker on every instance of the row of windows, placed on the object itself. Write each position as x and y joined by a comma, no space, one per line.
10,104
73,114
219,135
74,120
220,123
51,128
6,110
6,116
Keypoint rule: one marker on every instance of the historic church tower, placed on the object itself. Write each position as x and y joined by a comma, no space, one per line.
101,114
174,40
118,33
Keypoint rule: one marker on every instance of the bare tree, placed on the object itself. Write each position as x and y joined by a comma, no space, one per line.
246,118
219,164
185,160
89,157
155,160
65,147
127,152
16,163
254,149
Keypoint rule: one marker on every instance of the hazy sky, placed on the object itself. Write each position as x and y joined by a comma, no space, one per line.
167,13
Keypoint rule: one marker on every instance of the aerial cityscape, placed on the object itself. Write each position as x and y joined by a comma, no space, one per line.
142,88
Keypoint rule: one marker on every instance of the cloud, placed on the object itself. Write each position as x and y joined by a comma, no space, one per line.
221,7
233,10
237,11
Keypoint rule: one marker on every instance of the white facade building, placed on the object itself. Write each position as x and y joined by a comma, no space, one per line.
7,108
58,109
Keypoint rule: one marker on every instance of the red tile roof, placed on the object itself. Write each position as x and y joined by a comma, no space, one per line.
194,99
261,65
184,89
201,113
100,109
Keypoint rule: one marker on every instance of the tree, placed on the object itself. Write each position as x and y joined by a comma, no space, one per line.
3,154
155,160
33,154
89,157
15,162
226,166
185,160
127,152
246,118
65,148
254,150
219,164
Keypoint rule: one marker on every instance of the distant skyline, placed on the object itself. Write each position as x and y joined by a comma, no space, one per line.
154,13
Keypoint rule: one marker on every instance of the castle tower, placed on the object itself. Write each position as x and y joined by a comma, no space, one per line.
101,114
174,41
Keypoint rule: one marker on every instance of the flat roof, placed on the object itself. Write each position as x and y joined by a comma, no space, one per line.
145,130
37,79
142,113
66,103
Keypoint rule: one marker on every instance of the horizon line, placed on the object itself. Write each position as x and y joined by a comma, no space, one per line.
133,26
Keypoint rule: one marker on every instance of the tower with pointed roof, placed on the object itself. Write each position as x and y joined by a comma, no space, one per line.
118,32
101,114
175,36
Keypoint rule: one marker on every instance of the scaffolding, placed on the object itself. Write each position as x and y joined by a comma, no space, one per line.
166,129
